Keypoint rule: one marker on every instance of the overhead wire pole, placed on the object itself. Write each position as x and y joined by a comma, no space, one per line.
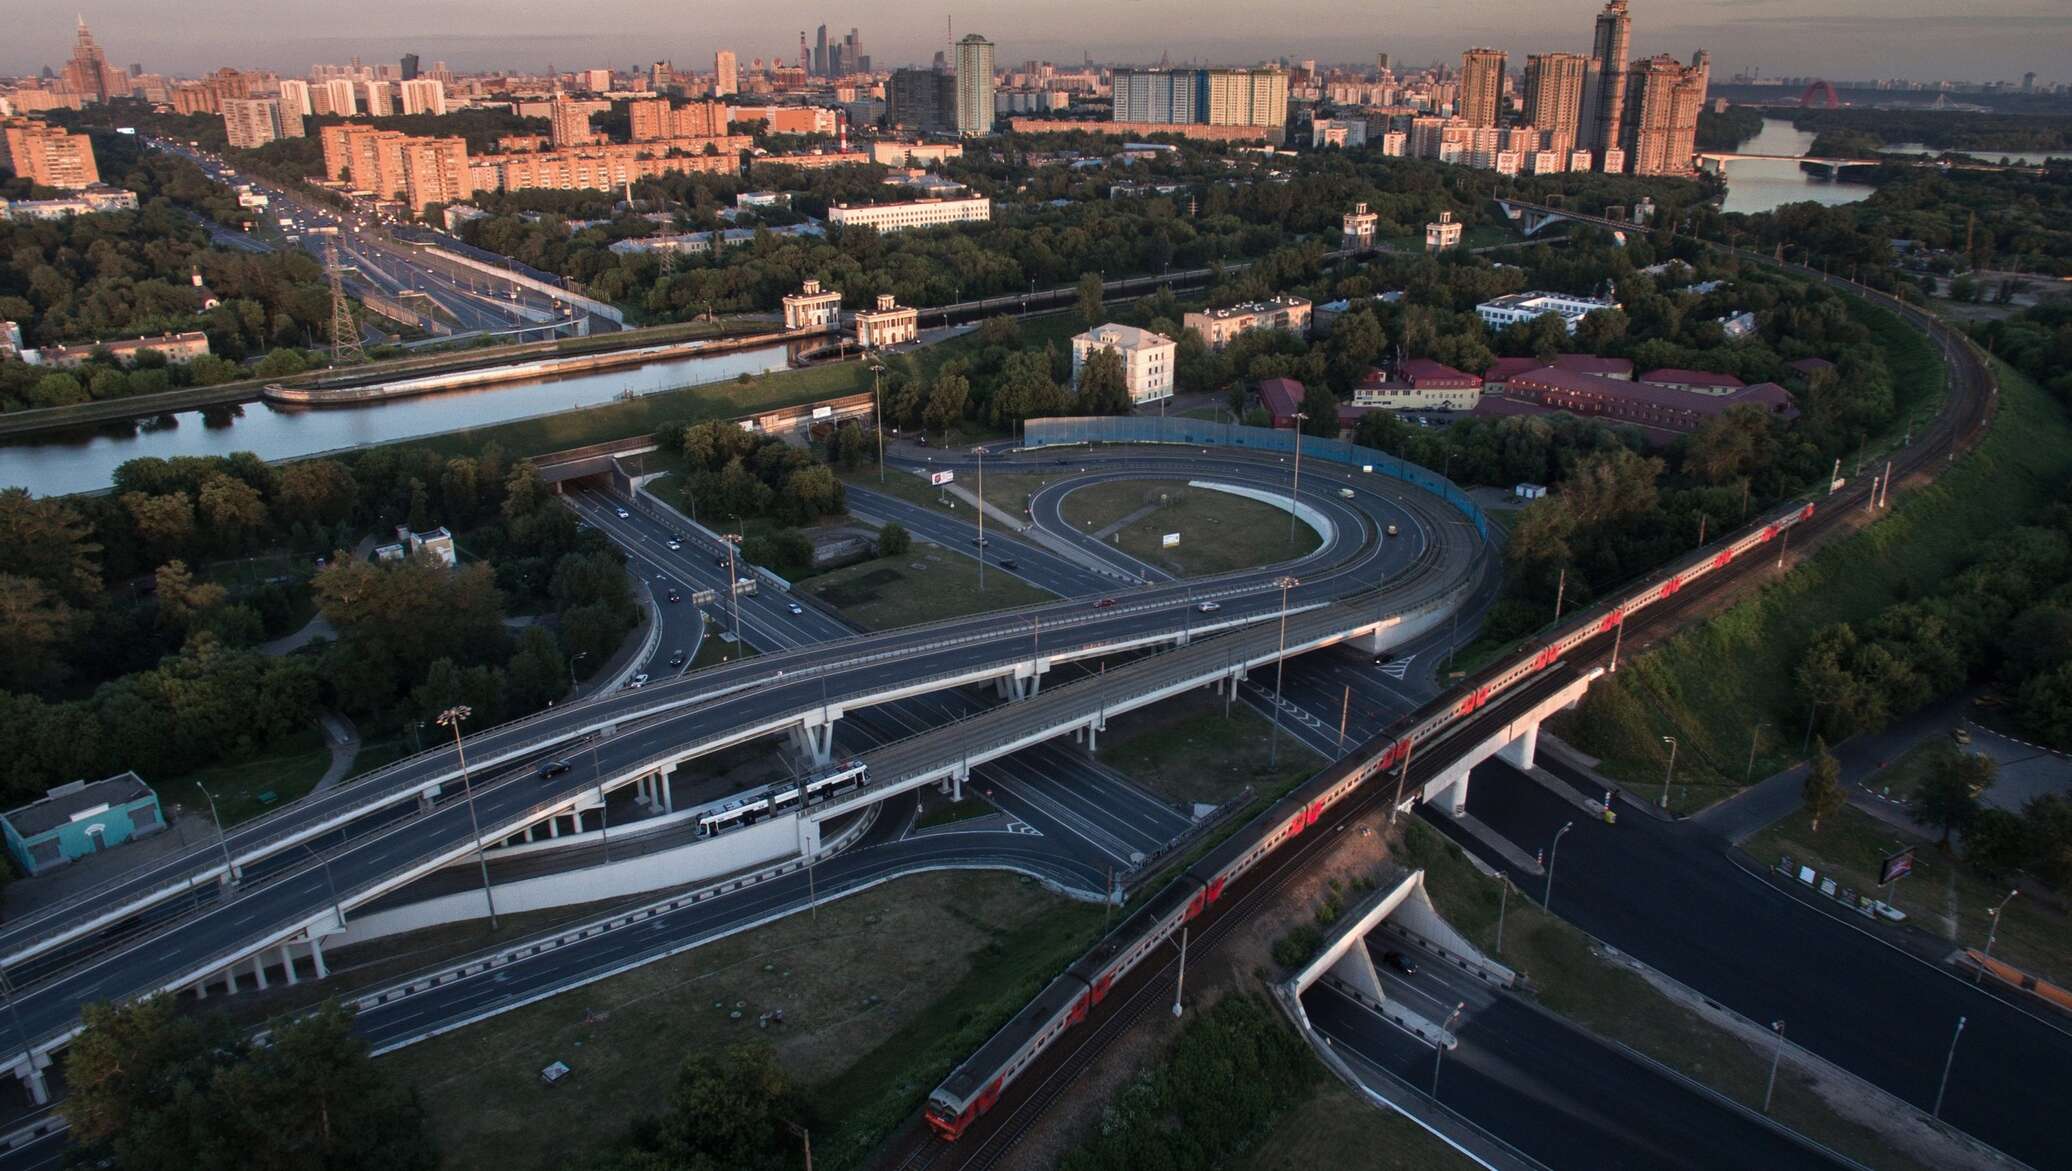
980,451
1296,487
452,718
733,584
878,415
1280,671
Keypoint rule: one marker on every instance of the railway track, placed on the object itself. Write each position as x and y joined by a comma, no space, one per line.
1956,427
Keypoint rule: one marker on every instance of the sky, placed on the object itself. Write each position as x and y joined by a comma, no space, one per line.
1836,39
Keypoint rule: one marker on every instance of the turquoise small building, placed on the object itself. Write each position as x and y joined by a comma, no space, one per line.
81,818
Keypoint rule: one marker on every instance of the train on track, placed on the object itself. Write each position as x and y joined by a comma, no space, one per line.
783,797
975,1086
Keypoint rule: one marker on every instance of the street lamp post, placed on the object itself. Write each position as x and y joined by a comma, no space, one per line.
1279,671
1439,1057
604,811
1180,977
1776,1055
980,452
1993,933
878,416
1754,737
1296,487
1503,900
733,584
1949,1061
1554,851
578,657
1670,772
223,839
452,718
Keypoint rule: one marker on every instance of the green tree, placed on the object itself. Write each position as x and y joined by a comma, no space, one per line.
1823,793
946,401
1102,387
56,390
1322,408
49,541
1090,293
34,622
893,539
180,597
1948,797
280,364
726,1112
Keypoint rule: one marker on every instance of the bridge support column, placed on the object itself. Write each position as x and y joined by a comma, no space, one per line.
316,955
815,739
259,970
230,980
1449,790
662,783
1522,751
288,963
1356,968
39,1086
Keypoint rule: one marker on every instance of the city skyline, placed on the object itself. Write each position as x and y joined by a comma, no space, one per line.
1836,39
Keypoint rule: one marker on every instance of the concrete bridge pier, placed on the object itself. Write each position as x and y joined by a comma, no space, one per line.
31,1075
1523,751
814,739
1026,681
1449,790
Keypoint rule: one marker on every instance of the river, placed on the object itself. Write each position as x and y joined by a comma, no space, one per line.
58,465
1755,185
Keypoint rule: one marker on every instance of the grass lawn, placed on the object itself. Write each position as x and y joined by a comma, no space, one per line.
1943,896
1337,1128
1219,531
1183,750
288,775
937,809
649,413
379,753
1710,685
1057,326
1613,1001
921,585
714,650
881,995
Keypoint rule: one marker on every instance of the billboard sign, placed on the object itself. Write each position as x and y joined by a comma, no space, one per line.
1169,541
940,478
1896,867
823,412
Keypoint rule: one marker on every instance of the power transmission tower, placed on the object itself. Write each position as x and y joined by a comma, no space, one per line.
345,332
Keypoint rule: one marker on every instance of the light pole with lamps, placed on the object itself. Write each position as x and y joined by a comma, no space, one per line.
452,718
578,657
1993,933
1296,487
1754,737
1949,1061
223,839
1280,669
1670,771
1776,1055
1439,1050
878,416
1553,851
980,452
733,583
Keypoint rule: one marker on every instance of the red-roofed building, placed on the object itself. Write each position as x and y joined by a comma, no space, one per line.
1697,381
1425,385
1503,370
1808,367
1656,408
1282,398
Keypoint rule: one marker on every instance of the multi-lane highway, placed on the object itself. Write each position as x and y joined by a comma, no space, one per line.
652,723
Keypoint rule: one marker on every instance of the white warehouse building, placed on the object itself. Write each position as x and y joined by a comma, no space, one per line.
1516,307
917,213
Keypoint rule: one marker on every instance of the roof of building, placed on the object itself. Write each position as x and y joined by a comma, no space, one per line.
1247,308
1766,394
1505,369
1128,337
1281,396
1671,374
1810,365
1498,407
62,803
1419,371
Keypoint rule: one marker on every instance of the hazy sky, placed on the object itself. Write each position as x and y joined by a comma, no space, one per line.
1972,39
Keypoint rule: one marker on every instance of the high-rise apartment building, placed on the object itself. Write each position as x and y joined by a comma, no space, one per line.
1554,97
1217,97
570,122
1604,81
974,85
726,73
423,95
374,99
1158,95
654,119
253,122
1481,86
1663,98
1246,97
921,100
295,97
394,165
46,155
339,95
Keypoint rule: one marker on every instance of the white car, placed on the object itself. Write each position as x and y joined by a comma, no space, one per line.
639,680
675,544
794,607
623,514
1209,607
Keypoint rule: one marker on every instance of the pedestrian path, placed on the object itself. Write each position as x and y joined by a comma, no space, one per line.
343,738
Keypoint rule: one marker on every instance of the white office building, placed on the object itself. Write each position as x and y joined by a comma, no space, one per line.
1516,307
917,213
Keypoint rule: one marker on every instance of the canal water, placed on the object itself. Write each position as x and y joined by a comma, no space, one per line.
58,465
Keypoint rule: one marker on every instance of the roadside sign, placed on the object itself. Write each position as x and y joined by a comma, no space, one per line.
1170,540
1896,867
822,412
941,478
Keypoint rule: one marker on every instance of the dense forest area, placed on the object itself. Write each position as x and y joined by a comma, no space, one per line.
1966,132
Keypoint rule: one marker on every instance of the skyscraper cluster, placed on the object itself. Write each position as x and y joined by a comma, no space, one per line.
838,58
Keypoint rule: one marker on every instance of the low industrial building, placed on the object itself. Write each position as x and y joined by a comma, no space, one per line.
1501,371
81,818
890,324
1516,307
893,153
811,308
1218,327
915,213
176,347
87,202
1663,411
1695,381
1281,399
1147,359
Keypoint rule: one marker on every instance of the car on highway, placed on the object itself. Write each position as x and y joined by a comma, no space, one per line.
1209,607
675,544
1010,563
678,659
981,542
1400,963
1391,530
720,560
552,768
639,680
623,514
794,607
1385,658
674,596
1104,603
